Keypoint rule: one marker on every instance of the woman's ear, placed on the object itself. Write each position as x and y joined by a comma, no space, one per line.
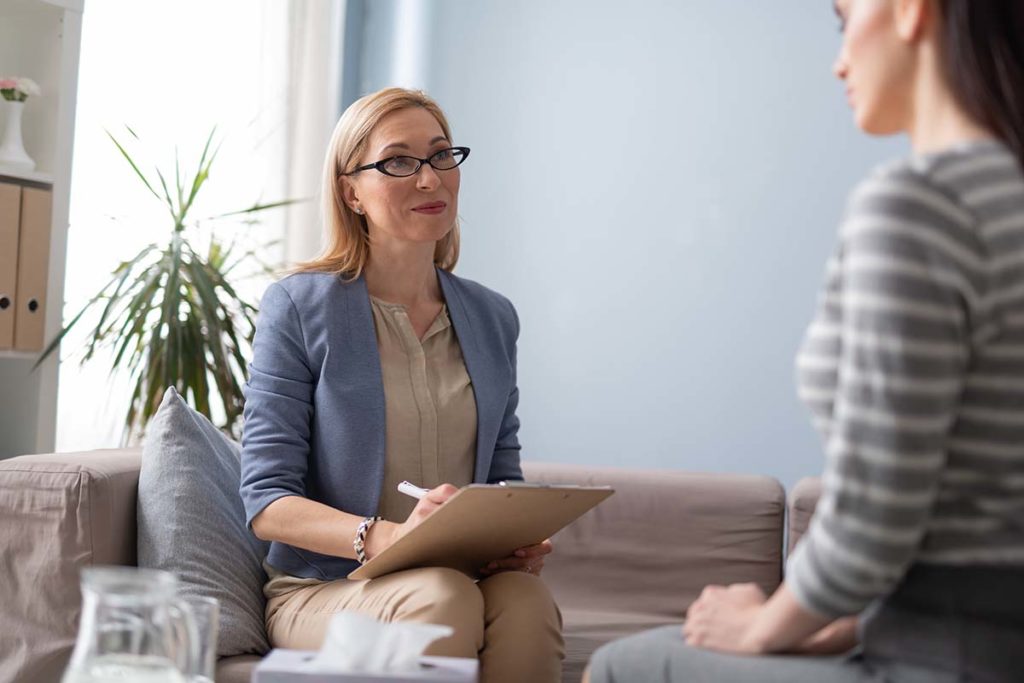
349,195
912,17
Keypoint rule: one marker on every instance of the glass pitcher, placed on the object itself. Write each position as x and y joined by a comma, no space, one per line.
133,628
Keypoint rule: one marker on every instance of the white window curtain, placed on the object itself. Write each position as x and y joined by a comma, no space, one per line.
316,29
266,73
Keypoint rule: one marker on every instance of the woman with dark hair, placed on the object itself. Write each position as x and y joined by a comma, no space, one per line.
914,371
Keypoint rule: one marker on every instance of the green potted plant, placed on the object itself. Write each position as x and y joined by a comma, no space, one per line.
171,314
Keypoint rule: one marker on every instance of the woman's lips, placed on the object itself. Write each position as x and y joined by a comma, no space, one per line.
430,208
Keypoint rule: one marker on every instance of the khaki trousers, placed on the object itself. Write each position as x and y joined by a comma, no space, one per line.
509,620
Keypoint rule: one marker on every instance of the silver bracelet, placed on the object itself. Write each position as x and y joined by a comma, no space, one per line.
359,544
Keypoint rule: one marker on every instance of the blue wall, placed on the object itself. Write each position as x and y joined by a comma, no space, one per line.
656,186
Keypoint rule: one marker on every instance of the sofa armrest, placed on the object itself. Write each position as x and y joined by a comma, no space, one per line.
652,547
802,502
58,513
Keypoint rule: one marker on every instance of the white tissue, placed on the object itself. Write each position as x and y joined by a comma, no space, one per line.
356,642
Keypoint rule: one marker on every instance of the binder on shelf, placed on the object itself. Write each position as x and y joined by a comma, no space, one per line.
33,269
10,220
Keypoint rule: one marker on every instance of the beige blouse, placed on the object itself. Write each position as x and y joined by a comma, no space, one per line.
430,410
430,417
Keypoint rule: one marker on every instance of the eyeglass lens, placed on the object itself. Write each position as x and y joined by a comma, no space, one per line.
444,160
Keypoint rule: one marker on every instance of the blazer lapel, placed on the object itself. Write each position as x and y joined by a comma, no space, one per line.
362,379
478,368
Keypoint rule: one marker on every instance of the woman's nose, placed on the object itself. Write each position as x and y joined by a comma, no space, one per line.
839,67
427,178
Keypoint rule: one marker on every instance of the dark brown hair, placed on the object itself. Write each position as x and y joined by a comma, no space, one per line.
983,52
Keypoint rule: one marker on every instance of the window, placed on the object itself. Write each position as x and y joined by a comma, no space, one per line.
171,71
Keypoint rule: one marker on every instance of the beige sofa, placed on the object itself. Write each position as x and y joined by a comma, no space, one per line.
635,562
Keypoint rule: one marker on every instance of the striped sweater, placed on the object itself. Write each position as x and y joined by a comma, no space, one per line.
914,372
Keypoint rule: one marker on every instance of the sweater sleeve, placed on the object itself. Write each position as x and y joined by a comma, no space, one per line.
901,343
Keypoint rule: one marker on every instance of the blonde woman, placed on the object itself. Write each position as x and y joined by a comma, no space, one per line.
374,364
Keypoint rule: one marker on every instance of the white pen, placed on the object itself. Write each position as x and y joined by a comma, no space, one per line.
412,490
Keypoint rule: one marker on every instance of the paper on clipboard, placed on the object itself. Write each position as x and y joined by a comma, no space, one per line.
484,522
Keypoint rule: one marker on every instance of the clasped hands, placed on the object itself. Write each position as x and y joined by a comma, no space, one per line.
529,559
721,618
735,619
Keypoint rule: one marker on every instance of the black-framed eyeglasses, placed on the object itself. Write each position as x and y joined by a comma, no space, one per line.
405,166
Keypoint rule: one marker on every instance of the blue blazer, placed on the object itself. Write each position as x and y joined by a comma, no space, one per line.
314,402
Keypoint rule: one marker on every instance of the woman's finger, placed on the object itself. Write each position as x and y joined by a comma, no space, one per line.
423,510
426,505
528,558
510,563
538,550
711,590
440,494
530,567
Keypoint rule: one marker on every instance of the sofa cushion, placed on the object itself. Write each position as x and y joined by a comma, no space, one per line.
803,499
639,559
191,521
237,669
58,513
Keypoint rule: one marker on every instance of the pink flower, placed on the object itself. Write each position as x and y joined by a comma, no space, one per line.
8,83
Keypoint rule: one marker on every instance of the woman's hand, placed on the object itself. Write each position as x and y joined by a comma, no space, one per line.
740,619
529,559
838,637
721,617
384,534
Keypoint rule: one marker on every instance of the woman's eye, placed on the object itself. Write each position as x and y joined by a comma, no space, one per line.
401,164
443,155
841,17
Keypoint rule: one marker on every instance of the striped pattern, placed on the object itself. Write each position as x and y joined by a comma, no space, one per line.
914,372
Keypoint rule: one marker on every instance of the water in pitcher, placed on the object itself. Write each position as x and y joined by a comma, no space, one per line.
125,668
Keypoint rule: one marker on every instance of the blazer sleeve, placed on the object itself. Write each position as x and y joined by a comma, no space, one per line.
505,462
278,407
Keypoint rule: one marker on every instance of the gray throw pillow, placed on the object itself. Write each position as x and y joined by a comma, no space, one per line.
191,521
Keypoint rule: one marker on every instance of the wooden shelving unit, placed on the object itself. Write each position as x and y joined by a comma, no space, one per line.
41,39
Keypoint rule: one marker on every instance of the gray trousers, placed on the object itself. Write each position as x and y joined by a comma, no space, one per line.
940,624
662,656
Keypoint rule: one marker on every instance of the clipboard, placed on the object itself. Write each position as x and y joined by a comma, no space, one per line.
485,522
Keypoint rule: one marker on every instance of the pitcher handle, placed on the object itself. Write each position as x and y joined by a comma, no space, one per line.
186,635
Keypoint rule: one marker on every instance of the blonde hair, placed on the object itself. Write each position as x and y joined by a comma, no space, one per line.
348,240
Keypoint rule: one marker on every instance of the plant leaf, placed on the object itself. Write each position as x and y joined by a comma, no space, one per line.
203,171
167,198
261,207
131,161
121,274
171,314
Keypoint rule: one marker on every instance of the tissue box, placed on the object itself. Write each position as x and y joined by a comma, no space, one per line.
290,666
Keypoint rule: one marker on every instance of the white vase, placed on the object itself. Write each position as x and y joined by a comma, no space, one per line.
12,151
